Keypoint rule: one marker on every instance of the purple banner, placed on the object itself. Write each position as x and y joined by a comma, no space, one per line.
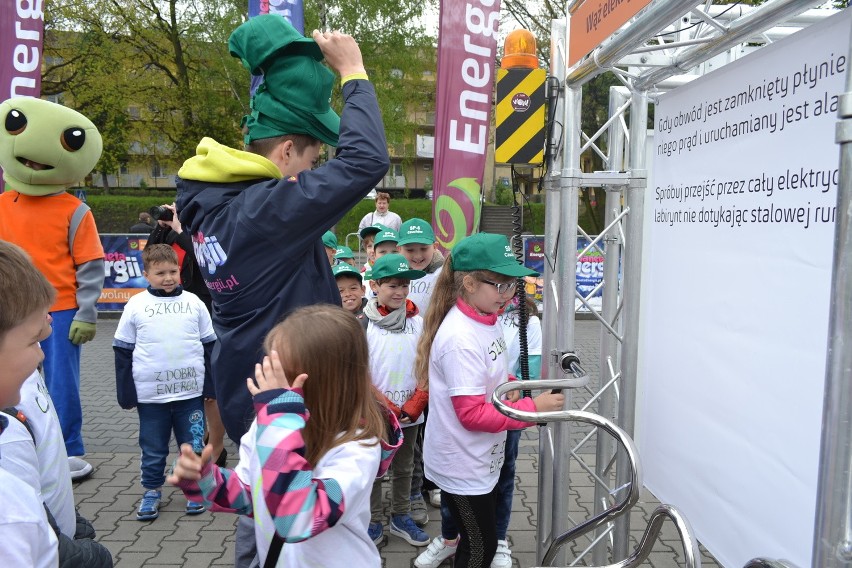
21,31
467,48
291,10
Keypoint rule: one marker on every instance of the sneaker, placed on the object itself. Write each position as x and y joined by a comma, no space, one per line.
405,528
376,532
435,497
435,554
503,556
418,511
80,468
149,508
193,508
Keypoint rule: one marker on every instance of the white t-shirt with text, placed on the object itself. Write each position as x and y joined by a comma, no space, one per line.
168,356
511,331
420,290
392,360
467,358
39,458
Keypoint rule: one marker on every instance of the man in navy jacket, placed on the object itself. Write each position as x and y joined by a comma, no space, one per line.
257,217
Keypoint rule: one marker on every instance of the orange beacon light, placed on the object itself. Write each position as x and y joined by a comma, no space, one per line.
519,51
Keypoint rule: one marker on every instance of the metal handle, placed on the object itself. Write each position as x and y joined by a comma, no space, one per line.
634,486
767,563
570,363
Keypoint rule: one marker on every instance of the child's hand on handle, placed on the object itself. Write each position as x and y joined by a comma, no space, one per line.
341,51
549,402
189,464
270,375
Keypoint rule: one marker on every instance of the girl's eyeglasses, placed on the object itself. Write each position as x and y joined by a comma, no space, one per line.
502,287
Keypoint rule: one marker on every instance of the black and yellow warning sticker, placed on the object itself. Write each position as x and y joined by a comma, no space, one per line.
520,116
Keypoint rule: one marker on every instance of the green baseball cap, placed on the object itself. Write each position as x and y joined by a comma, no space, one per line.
371,230
368,274
329,240
296,91
394,266
344,269
416,231
486,251
344,252
386,235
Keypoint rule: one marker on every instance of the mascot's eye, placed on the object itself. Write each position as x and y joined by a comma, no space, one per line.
16,122
73,139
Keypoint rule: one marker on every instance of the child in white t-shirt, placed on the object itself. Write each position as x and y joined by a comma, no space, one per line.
462,358
417,245
368,236
305,477
393,330
25,298
162,367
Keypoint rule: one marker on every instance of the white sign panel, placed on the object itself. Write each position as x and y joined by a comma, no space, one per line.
740,217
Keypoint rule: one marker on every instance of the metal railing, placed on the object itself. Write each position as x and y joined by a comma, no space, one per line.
631,490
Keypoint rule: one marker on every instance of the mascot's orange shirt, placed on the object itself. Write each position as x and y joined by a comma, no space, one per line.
40,225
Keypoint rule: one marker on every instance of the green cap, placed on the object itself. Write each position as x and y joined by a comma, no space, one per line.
371,230
344,252
368,274
386,235
344,269
394,266
416,231
329,240
296,91
486,251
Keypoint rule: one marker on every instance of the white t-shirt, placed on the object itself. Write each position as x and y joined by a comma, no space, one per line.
420,290
168,356
42,464
467,358
509,322
26,538
354,465
392,360
388,219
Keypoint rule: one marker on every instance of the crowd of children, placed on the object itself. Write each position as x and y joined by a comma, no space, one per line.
342,395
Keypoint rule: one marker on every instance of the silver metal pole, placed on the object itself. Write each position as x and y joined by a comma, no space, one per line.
566,276
631,288
752,23
550,368
833,528
609,307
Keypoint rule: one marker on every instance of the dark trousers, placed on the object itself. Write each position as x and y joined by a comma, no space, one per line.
505,490
476,517
157,421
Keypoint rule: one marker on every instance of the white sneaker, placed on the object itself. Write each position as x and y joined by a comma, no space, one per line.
435,554
503,556
435,497
80,468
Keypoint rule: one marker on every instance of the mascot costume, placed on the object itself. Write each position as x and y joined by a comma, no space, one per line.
45,148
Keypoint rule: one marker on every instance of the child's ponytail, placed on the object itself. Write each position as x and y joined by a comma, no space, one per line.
449,287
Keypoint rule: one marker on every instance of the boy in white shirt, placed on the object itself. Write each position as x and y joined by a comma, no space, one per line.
162,360
25,297
368,235
393,330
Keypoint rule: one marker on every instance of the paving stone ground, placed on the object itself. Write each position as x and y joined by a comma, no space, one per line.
110,496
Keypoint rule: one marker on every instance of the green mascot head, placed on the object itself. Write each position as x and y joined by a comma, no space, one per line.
45,147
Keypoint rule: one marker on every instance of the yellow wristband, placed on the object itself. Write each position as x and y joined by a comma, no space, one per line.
352,77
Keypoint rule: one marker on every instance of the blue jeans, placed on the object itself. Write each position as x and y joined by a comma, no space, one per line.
156,423
62,377
504,490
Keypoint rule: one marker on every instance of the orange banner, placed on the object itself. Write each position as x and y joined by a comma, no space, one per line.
596,20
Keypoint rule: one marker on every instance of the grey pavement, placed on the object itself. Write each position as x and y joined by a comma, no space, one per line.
110,496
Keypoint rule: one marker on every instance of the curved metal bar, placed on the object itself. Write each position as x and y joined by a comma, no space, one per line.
767,563
635,477
692,556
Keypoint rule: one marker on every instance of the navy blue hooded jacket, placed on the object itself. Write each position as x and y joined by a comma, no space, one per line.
257,240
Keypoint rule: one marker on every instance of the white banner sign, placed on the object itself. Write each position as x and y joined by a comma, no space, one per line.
740,217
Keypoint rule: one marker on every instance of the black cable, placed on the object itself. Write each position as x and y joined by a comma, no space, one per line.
520,291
